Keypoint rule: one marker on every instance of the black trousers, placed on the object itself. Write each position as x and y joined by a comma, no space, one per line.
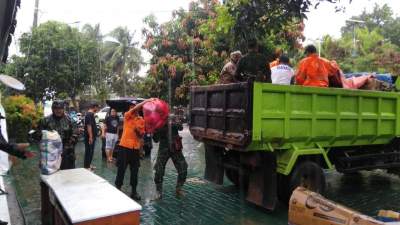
89,150
127,157
103,148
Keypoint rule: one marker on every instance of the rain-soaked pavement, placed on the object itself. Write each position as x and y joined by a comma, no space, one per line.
207,203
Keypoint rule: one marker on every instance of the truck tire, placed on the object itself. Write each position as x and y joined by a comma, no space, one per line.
307,174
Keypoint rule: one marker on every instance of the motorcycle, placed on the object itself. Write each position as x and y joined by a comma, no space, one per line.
77,120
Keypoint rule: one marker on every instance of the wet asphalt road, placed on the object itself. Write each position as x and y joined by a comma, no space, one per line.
206,203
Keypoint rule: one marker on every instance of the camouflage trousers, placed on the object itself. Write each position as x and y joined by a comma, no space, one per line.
164,154
68,159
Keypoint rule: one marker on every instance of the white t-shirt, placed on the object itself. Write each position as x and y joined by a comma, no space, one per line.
281,74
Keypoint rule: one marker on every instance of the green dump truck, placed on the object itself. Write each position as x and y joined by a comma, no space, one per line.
268,139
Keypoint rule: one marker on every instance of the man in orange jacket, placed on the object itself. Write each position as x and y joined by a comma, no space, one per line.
129,147
314,70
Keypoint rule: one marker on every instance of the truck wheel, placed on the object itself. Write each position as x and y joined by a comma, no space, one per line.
307,174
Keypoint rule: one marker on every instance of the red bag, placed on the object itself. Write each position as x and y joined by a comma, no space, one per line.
155,115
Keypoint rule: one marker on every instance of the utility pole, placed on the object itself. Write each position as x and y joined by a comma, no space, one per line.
35,14
355,22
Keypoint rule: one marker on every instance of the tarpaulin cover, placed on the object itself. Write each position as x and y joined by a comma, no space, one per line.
386,77
155,114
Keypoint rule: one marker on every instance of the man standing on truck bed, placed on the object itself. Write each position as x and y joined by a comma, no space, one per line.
228,71
282,73
314,70
253,65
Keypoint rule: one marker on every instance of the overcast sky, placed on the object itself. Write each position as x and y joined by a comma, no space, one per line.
130,13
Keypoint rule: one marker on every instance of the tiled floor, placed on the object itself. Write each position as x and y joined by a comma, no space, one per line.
206,203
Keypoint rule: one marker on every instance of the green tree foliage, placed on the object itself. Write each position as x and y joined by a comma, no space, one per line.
22,115
381,19
101,75
193,46
124,58
374,51
181,53
56,57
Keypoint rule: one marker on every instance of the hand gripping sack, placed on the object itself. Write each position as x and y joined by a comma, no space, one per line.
155,115
50,152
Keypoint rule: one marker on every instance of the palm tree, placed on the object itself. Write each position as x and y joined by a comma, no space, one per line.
93,33
123,55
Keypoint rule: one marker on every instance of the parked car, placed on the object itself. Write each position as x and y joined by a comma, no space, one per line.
102,113
122,105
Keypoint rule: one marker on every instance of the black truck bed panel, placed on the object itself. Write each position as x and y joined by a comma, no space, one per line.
221,113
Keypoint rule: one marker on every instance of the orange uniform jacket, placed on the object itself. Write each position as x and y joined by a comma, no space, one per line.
133,131
314,71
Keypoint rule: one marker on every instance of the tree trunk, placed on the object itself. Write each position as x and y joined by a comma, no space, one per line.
124,83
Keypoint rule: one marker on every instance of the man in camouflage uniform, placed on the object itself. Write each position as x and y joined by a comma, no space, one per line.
227,74
167,136
61,123
253,65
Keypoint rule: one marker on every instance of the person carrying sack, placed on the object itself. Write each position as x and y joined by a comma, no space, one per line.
170,146
130,145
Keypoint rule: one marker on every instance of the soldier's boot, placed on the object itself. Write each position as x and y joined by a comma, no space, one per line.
158,191
179,192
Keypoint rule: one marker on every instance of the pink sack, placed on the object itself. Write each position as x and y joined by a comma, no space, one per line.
355,82
155,115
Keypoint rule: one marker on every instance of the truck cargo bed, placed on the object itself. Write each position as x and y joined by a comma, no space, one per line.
222,114
305,117
263,116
